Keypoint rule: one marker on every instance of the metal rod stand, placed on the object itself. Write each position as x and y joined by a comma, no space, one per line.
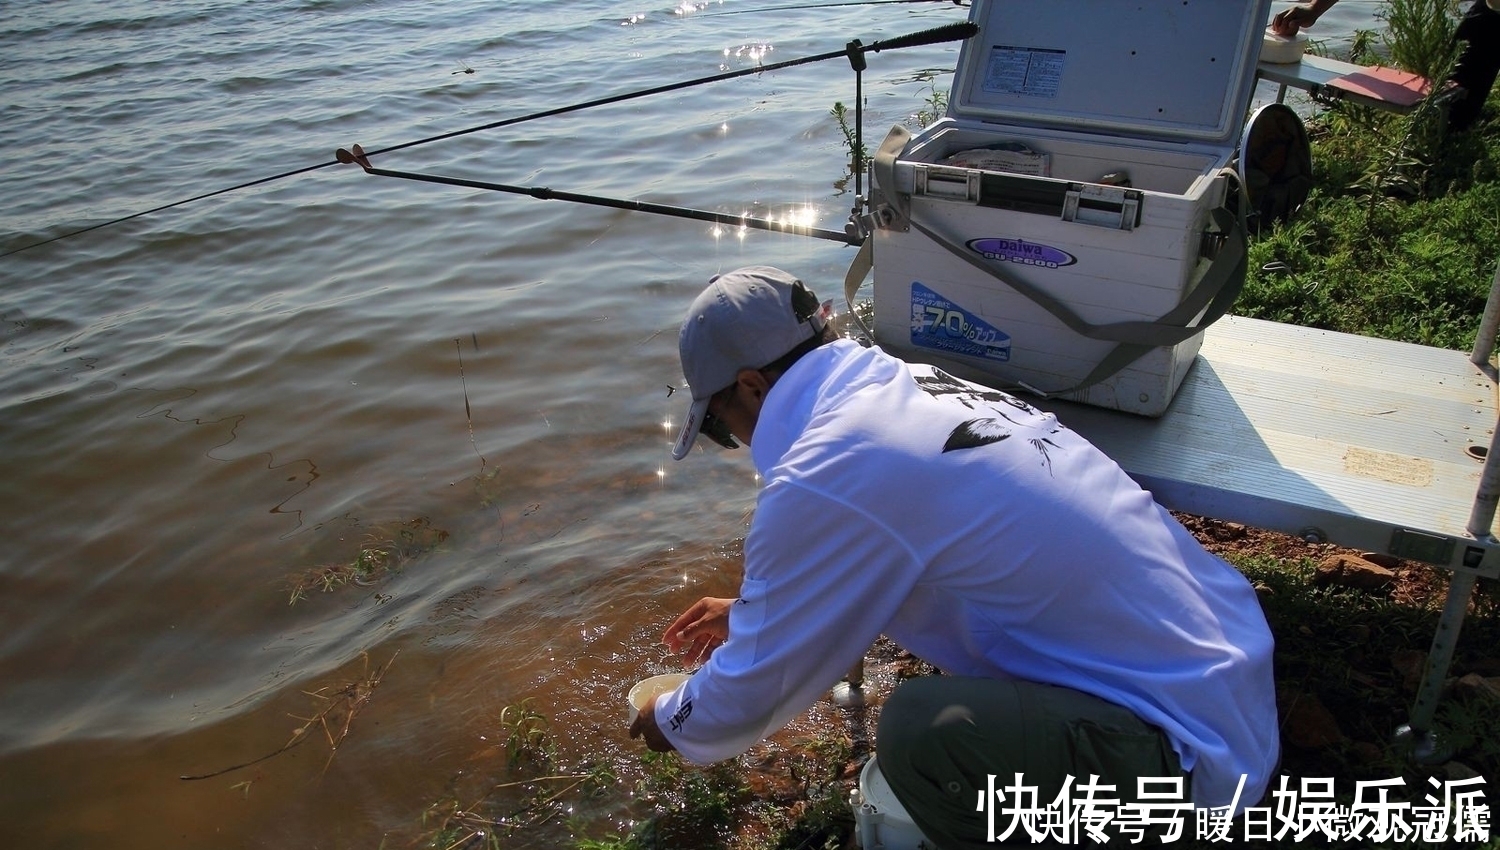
1425,745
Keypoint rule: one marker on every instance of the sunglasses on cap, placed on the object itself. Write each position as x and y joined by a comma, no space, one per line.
715,429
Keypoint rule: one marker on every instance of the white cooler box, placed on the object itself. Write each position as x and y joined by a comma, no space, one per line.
1006,266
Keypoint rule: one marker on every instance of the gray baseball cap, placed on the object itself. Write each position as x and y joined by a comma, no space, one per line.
745,319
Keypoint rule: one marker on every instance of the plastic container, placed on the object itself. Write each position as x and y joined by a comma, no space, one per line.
880,821
650,689
1281,50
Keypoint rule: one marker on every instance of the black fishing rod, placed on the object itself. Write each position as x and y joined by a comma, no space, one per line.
854,51
951,32
802,6
358,157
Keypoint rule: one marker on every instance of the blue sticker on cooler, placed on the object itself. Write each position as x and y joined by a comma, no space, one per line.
941,325
1021,251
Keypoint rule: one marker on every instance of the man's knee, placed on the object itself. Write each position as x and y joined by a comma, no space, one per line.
922,711
951,721
943,742
948,727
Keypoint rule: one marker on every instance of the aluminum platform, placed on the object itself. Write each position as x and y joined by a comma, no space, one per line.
1362,442
1365,443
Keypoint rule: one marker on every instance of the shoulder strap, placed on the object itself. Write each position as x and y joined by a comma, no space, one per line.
1217,288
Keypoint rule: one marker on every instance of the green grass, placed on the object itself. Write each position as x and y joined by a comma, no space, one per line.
1392,242
1411,271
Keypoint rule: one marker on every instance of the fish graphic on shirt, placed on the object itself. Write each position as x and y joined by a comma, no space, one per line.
987,430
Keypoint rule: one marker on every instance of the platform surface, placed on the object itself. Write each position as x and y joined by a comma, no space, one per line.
1364,442
1317,74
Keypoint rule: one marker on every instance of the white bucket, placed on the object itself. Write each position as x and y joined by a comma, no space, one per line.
649,689
880,821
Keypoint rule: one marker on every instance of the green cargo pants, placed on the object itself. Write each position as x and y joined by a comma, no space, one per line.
940,739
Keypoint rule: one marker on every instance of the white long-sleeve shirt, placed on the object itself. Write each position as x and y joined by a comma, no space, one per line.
989,540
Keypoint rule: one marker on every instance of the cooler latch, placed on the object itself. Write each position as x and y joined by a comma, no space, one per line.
1102,206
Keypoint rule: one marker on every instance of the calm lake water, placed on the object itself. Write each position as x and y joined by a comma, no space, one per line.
201,405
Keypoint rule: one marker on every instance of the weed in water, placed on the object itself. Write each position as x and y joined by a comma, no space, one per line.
334,717
934,107
383,552
527,734
506,809
693,806
535,794
851,143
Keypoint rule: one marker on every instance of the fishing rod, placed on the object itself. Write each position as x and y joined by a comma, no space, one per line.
800,7
952,32
358,156
937,35
854,51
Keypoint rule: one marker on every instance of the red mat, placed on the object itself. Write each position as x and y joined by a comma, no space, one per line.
1384,84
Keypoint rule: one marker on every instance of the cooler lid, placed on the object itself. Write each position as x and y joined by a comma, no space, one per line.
1156,69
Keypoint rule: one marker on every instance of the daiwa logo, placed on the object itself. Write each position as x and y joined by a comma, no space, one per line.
1021,251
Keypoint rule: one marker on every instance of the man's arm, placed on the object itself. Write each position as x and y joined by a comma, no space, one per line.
821,583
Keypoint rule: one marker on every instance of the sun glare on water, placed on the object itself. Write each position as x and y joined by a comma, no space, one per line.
686,8
790,220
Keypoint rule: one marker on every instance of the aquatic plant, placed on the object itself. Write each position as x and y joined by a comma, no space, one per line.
527,733
933,108
383,552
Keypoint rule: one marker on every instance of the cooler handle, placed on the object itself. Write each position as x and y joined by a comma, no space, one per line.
1081,203
1105,206
955,184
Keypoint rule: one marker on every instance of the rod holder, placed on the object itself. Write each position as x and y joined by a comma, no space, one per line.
856,53
354,157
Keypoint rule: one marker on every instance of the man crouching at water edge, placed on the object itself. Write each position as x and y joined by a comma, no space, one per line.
1085,631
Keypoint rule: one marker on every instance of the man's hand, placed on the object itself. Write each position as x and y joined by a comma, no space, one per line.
1288,21
699,630
645,726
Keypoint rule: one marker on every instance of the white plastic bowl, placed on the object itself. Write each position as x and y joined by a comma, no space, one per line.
650,689
1280,50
